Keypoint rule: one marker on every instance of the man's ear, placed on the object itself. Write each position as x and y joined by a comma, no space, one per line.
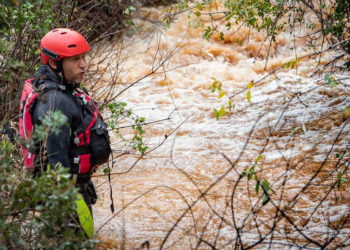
53,64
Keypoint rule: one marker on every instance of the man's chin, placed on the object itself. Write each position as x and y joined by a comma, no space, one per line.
79,80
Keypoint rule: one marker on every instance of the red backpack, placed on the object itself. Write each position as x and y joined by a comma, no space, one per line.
26,122
92,132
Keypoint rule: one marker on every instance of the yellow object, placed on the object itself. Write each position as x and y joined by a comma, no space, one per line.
85,216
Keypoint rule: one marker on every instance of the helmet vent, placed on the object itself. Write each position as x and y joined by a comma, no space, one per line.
63,33
54,30
72,46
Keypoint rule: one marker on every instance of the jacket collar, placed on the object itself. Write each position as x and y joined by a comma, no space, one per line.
46,73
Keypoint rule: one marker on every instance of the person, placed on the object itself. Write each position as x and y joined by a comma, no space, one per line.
76,145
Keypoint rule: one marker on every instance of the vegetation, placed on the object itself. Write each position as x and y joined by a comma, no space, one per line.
33,211
118,113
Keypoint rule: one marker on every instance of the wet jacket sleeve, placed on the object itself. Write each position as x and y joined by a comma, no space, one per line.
57,143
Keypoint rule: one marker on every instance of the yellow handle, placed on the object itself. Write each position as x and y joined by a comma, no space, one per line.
85,216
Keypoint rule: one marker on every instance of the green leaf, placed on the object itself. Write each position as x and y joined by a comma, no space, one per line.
260,157
265,199
230,105
222,111
326,77
290,64
198,13
250,85
347,110
339,156
251,172
228,26
222,93
330,80
39,207
216,85
257,185
219,113
294,131
208,32
199,6
216,114
244,173
265,185
248,96
341,180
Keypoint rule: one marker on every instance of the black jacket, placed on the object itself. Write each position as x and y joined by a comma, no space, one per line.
58,145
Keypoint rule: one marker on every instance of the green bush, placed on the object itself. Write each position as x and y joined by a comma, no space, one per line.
22,26
40,212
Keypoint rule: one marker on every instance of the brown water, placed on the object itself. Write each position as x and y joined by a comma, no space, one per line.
200,159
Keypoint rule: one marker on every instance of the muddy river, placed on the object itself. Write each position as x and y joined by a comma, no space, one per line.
264,175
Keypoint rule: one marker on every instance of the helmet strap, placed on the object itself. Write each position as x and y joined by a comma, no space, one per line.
59,66
59,70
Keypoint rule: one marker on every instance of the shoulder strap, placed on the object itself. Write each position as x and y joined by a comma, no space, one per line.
50,85
86,100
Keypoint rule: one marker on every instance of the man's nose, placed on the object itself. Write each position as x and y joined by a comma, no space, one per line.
83,63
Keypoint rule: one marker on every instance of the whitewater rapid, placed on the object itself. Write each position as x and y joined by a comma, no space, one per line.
196,150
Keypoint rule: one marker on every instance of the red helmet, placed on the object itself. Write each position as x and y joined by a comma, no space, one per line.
60,43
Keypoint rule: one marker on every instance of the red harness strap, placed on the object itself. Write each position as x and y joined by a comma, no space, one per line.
26,125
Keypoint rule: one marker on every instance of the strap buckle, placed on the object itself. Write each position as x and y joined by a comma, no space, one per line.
76,160
76,140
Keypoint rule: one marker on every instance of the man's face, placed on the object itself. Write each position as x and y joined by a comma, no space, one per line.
74,68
